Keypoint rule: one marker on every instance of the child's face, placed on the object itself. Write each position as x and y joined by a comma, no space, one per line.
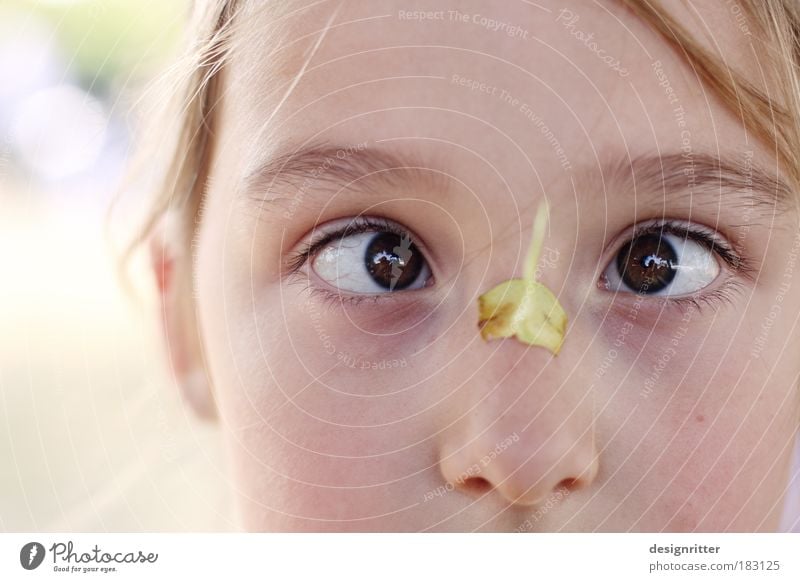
353,384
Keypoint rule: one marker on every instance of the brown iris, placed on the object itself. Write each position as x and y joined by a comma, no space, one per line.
393,262
647,263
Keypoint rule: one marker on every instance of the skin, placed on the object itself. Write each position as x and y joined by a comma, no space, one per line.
318,444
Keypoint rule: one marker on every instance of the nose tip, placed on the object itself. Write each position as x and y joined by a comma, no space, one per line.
535,480
523,470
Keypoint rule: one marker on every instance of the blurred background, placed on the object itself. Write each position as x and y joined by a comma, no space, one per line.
93,434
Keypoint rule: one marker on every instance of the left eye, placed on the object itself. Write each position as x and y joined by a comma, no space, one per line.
660,263
372,262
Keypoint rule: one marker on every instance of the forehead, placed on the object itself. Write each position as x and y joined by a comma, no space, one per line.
546,84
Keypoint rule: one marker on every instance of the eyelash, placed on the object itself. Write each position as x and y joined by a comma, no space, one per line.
356,226
707,238
307,252
711,241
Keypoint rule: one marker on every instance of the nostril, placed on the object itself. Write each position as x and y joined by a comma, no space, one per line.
567,484
476,485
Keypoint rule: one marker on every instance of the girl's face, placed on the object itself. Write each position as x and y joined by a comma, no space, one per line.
379,169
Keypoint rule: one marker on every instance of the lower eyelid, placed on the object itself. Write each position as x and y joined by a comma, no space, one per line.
720,295
401,304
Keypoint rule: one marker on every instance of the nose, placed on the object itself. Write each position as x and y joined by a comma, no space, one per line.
525,432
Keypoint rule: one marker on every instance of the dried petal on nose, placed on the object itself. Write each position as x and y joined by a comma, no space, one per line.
525,308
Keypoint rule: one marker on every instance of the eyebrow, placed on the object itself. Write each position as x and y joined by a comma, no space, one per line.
674,177
332,167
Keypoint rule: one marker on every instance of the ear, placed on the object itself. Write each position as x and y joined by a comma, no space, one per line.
172,267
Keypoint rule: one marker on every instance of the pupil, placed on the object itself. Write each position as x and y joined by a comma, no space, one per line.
393,262
647,264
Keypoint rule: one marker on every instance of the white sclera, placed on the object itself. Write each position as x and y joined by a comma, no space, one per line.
341,265
696,269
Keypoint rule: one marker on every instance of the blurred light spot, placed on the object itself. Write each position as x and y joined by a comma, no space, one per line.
60,131
28,55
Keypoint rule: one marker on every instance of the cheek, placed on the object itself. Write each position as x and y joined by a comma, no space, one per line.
322,419
699,428
326,336
723,473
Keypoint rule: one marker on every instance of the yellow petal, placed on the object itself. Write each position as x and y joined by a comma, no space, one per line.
523,309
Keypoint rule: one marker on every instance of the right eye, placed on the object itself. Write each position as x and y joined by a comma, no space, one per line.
667,259
371,261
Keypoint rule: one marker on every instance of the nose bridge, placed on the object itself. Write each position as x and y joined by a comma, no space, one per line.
529,430
511,246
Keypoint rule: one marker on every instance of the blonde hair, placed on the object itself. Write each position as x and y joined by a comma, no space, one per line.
184,98
773,119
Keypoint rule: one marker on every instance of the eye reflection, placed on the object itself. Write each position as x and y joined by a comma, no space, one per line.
647,263
662,263
372,262
393,262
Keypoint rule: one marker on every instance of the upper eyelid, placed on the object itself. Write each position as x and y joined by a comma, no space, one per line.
669,226
699,234
353,225
362,224
733,258
365,223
